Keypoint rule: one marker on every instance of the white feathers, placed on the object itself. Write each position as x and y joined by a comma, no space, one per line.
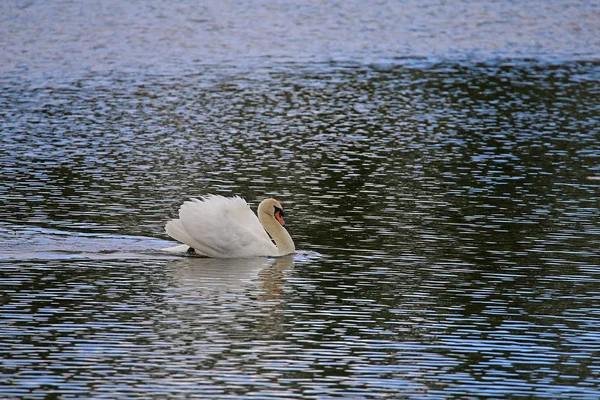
221,227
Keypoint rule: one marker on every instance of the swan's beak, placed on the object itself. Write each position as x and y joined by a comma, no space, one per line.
279,216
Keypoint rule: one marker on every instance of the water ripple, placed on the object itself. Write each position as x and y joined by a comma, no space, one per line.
445,212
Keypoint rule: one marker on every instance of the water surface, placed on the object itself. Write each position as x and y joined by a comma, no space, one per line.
440,179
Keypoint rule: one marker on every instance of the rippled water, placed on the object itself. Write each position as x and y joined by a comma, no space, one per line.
441,181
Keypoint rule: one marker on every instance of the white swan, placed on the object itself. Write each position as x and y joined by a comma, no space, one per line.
225,227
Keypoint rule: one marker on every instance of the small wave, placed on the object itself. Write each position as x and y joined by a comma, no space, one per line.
35,243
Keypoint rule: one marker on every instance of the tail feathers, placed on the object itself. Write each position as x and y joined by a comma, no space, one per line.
177,231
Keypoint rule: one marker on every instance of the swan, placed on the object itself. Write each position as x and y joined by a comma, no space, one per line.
225,227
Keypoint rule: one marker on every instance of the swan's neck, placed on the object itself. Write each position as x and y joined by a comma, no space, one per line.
281,237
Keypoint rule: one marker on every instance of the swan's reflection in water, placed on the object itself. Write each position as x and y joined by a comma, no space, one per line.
224,274
231,297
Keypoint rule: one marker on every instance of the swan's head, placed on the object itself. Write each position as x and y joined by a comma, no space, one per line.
271,208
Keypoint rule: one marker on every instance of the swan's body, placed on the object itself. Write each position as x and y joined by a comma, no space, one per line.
225,227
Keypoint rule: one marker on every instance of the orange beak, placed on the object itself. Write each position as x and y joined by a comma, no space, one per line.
279,218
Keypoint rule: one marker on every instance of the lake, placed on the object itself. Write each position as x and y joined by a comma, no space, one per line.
439,165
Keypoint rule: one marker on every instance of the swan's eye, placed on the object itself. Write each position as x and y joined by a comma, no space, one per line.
278,213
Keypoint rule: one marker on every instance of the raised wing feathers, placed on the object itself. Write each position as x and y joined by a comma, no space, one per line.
218,226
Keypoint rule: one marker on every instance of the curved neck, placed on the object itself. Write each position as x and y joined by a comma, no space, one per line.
281,237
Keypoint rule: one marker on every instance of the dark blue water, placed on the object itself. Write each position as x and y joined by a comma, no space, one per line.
439,165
